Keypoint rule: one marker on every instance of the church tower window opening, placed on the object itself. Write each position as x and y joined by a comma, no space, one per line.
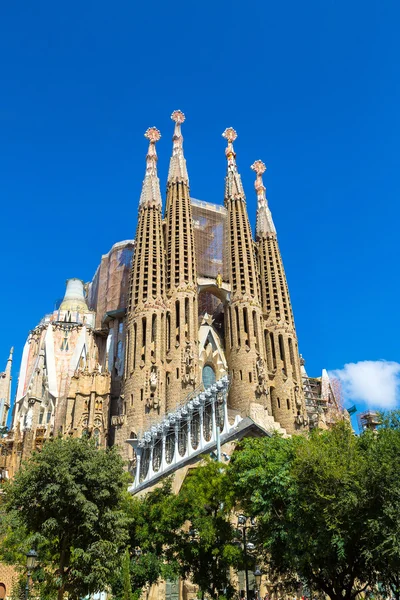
168,331
246,327
177,321
271,337
134,344
187,331
237,325
144,339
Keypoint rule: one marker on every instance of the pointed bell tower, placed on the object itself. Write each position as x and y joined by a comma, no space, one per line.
144,395
283,360
5,390
182,374
244,341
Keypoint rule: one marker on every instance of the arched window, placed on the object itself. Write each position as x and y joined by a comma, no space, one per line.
182,437
144,464
2,590
207,422
208,376
195,429
170,445
157,454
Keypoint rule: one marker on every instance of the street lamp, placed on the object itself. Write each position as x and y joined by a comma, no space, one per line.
243,524
257,576
31,562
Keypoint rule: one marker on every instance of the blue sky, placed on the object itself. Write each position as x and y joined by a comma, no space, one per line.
312,88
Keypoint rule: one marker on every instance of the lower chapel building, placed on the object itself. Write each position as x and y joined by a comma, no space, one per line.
183,342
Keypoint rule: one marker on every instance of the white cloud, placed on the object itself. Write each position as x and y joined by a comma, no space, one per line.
375,382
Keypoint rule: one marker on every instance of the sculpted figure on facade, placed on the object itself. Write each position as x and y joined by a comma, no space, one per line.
262,387
188,361
153,380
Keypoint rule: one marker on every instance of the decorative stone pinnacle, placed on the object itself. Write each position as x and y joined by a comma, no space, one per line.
230,135
151,195
264,225
178,116
177,167
233,183
152,134
259,167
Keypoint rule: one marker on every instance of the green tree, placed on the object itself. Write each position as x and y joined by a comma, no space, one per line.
67,501
314,505
206,547
383,451
126,576
187,534
152,525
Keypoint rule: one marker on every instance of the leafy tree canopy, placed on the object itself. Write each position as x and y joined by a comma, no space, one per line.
67,502
206,546
319,503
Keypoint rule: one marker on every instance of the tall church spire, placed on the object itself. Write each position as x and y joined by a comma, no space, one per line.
233,182
181,284
177,166
245,323
264,226
144,349
283,360
243,276
5,390
151,195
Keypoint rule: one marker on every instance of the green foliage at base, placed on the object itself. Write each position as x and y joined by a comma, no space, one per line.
326,511
66,501
326,505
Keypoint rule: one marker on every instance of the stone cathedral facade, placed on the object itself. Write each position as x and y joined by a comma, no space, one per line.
183,342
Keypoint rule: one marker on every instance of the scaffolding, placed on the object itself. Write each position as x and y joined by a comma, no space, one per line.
210,233
323,398
109,289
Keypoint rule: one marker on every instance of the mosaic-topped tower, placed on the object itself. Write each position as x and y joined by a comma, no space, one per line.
244,343
181,278
283,360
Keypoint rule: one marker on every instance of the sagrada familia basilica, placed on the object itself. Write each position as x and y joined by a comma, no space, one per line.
183,342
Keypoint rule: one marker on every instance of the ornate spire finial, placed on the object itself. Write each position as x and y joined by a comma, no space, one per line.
233,183
230,135
265,226
177,167
152,134
178,116
259,167
151,195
